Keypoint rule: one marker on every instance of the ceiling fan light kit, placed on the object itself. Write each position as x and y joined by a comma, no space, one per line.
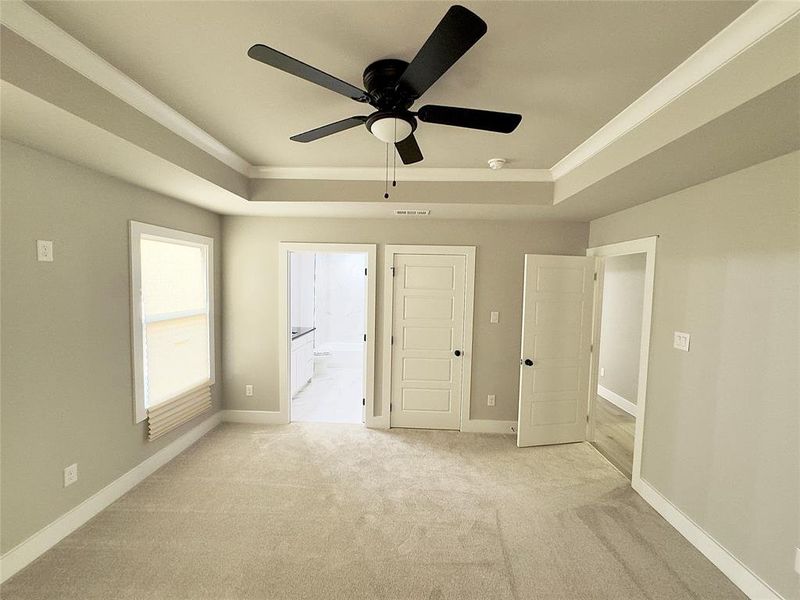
393,85
391,128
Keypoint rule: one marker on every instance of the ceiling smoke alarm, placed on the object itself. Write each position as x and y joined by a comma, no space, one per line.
497,163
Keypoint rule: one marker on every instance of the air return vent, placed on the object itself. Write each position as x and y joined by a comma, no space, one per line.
411,212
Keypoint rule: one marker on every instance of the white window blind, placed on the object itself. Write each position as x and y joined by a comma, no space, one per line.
173,325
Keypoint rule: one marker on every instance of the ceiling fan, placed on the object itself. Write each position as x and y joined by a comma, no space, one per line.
392,87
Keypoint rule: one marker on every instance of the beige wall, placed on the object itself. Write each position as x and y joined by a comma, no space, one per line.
251,294
66,346
621,329
721,429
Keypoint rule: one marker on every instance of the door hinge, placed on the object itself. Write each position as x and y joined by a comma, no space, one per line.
365,337
392,269
591,348
595,276
390,407
363,402
587,418
365,271
392,341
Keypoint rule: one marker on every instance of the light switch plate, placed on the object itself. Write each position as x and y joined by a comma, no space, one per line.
248,390
494,317
491,400
44,250
681,341
602,372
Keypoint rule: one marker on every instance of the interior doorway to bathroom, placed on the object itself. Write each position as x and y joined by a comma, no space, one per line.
329,322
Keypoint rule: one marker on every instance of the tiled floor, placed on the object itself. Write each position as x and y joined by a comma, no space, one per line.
333,396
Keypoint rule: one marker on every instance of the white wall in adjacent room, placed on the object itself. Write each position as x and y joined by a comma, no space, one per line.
621,324
339,300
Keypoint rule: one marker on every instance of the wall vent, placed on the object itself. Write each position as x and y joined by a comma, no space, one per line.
411,212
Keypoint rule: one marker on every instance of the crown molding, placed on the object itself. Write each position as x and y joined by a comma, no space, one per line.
403,174
43,33
754,24
761,19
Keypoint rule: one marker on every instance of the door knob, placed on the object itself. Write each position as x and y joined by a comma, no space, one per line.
457,352
527,362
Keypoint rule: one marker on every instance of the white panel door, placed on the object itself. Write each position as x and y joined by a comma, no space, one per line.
428,337
556,343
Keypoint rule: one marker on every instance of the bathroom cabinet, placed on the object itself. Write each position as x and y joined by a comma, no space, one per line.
302,361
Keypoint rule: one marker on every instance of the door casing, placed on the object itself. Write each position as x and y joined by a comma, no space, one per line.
388,313
645,246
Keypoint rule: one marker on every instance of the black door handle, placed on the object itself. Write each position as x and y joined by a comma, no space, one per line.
528,362
457,352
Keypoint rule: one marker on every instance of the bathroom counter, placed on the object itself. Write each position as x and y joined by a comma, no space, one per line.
301,331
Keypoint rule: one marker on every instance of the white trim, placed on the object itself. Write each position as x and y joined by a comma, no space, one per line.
734,569
139,231
751,26
404,174
617,400
388,313
646,246
26,552
284,338
488,426
262,417
43,33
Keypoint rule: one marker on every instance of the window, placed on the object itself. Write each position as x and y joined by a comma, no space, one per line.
173,333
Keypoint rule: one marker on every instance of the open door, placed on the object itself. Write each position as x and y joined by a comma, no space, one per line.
556,347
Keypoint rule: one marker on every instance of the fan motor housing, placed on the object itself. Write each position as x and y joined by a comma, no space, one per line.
380,80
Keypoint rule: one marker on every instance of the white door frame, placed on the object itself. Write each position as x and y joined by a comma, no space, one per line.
284,327
645,246
468,252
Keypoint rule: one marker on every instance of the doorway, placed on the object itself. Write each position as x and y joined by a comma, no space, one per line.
327,332
623,309
613,402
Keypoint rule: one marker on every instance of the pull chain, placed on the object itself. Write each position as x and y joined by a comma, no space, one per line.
386,179
394,158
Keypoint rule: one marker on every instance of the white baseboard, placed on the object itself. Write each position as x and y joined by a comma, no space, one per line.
617,400
747,581
262,417
488,426
26,552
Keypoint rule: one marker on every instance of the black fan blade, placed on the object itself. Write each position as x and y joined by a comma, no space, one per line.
456,33
409,151
279,60
471,118
329,129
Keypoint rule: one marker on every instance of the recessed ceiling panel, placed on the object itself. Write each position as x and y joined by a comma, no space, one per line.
567,67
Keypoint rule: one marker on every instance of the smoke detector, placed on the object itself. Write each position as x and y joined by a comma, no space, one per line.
497,163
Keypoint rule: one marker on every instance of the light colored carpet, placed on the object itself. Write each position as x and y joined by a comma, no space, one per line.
341,512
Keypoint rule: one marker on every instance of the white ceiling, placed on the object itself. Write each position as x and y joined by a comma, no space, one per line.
568,67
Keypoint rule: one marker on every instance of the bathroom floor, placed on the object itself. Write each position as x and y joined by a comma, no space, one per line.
333,396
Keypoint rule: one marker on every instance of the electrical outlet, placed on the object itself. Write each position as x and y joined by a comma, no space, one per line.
71,474
602,372
248,390
44,250
494,317
490,400
681,341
